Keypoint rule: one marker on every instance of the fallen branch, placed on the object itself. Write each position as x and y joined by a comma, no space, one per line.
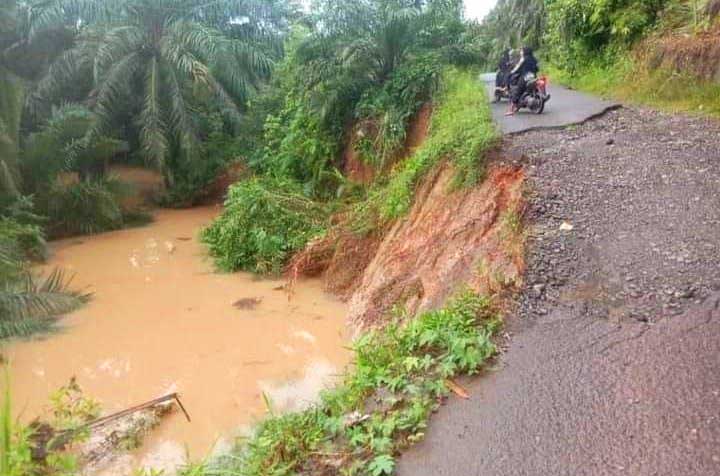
129,411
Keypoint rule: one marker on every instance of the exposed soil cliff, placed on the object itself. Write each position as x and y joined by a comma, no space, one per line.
359,171
450,239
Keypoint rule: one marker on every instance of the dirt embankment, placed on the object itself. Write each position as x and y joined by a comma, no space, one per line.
682,51
360,171
449,239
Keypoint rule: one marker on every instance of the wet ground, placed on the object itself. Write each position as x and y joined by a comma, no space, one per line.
162,321
612,365
566,107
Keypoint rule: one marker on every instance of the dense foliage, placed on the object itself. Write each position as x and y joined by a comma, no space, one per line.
355,72
579,32
263,223
461,131
28,303
577,35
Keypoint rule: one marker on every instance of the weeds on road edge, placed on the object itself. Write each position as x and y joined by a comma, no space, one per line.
628,80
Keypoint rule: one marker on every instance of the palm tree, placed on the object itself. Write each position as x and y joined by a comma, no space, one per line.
391,36
22,59
27,305
11,98
162,57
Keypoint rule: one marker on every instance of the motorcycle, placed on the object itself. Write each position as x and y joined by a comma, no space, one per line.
502,93
535,95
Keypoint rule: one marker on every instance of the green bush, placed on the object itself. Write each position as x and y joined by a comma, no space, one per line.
387,109
21,230
264,222
83,208
300,148
581,31
15,449
28,240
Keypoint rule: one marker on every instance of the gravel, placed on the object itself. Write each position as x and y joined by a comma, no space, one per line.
640,191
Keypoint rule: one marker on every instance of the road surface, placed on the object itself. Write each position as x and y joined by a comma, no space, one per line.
566,107
613,363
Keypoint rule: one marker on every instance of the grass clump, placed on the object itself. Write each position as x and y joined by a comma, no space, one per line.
461,131
629,80
384,403
265,220
15,451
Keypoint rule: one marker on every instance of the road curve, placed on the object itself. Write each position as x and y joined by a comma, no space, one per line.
566,107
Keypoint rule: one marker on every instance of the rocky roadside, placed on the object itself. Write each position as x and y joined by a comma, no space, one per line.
611,367
640,191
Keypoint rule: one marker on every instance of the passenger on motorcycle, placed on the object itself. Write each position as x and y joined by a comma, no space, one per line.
503,71
527,65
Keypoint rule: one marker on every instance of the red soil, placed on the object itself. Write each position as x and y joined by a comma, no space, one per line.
449,239
357,170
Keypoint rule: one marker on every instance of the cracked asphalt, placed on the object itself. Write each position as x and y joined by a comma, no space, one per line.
566,106
612,365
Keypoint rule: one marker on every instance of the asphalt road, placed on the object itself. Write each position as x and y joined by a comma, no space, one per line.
613,362
566,107
578,397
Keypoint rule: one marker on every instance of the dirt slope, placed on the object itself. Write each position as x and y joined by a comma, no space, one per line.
447,240
612,367
356,170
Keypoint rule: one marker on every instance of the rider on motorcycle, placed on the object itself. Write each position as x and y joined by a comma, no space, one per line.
503,71
527,65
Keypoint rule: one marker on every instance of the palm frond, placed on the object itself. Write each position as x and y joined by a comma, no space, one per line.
30,300
153,130
229,107
24,328
11,99
115,87
180,121
47,14
115,44
73,65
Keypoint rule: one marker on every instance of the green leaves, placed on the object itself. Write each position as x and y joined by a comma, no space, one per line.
461,131
158,66
27,305
382,465
264,222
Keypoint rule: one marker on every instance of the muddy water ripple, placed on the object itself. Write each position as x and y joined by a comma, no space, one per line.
161,320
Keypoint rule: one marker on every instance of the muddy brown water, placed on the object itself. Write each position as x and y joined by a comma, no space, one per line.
161,321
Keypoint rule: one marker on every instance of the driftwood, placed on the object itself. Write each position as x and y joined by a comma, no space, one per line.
47,438
129,411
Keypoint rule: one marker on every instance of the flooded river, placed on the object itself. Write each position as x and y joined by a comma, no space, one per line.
161,321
